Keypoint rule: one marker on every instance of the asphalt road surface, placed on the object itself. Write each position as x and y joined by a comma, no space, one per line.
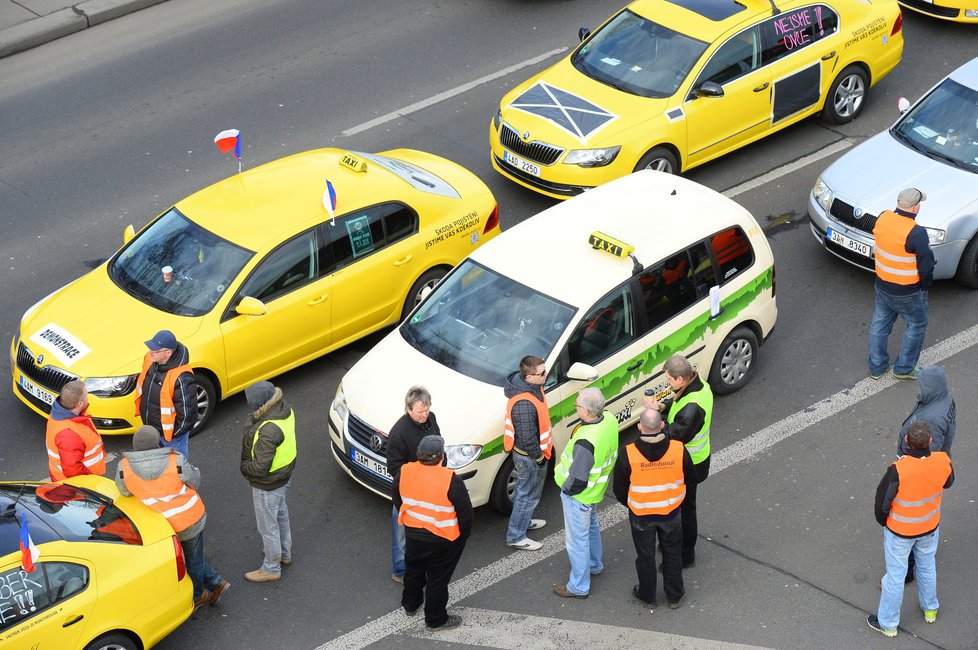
113,125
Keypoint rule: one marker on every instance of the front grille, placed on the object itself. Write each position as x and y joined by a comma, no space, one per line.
361,433
934,10
541,152
844,213
361,474
533,181
49,377
850,256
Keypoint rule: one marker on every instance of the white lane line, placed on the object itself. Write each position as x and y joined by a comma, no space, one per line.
448,94
492,629
396,621
754,183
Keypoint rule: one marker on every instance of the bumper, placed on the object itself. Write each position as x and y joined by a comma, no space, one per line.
953,10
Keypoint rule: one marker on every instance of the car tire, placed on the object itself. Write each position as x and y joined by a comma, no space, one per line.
421,288
659,159
503,487
206,401
115,641
847,95
967,274
735,361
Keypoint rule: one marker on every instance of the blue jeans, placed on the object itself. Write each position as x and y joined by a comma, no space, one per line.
398,542
201,573
180,443
583,540
896,550
272,517
913,309
529,488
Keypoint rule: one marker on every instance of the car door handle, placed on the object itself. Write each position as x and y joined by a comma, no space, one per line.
829,55
316,301
74,620
763,87
403,260
634,366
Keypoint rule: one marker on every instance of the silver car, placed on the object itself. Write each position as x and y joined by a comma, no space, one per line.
933,147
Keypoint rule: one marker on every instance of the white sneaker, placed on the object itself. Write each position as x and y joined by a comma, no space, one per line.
536,524
526,544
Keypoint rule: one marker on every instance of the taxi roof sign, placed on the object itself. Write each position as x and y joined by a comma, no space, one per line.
352,162
609,244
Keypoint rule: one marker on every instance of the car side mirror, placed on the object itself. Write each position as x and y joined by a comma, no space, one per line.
708,89
251,307
128,234
903,104
582,372
583,32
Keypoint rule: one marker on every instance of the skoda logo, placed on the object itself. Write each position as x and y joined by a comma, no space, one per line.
40,360
858,213
526,135
376,442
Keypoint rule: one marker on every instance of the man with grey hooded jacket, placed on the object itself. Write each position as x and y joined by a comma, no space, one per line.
935,406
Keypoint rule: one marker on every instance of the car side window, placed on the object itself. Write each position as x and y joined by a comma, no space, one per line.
732,251
793,30
400,222
354,236
608,327
288,267
740,55
23,595
666,289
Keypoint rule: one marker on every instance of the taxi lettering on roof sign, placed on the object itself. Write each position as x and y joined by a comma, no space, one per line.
352,162
592,323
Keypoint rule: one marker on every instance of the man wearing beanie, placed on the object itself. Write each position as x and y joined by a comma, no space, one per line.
650,479
164,480
268,452
436,512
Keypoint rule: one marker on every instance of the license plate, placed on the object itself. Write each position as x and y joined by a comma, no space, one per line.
36,390
521,164
369,463
847,242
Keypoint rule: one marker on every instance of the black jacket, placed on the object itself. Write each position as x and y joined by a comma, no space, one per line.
256,468
458,495
889,485
652,451
404,438
690,418
184,394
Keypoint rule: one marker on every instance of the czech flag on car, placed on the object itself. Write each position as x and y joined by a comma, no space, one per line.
28,552
228,140
329,200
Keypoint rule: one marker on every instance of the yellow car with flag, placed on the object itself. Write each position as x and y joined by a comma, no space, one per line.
672,84
256,274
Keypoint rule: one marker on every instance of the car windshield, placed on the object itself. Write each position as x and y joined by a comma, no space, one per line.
944,126
177,266
481,323
638,56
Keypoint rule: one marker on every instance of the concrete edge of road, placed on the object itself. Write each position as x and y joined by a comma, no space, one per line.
71,19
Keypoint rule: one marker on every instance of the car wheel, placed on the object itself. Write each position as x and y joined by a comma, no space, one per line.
967,274
735,361
847,95
659,159
206,402
115,641
503,488
420,289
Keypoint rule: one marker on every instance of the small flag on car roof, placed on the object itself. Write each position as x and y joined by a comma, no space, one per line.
329,202
28,552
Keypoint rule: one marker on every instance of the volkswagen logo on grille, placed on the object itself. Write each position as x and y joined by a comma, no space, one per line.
526,135
858,213
39,360
376,442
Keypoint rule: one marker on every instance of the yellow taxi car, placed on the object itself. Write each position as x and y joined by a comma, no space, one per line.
255,276
672,84
959,11
110,572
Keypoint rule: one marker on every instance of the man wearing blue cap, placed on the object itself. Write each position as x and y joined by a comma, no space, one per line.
166,393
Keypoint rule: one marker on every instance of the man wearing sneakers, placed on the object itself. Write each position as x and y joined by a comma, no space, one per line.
908,506
904,272
526,435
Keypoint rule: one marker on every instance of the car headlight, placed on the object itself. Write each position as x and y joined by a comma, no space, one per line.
592,157
496,121
971,13
822,194
458,456
339,403
111,386
935,236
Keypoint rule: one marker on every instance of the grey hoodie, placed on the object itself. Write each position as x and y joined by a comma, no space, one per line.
935,406
151,464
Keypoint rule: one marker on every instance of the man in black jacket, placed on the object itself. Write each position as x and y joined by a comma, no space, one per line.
402,447
166,393
268,453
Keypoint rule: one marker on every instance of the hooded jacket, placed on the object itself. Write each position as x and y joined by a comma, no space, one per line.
184,394
935,406
256,469
151,464
526,427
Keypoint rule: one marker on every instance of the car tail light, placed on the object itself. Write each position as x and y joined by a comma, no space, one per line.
492,221
181,563
897,24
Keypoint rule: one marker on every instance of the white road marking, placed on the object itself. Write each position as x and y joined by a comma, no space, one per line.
763,179
493,629
448,94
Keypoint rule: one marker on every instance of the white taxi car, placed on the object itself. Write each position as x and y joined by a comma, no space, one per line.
604,287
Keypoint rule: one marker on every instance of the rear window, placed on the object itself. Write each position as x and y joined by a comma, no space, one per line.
733,253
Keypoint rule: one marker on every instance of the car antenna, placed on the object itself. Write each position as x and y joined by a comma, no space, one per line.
774,8
11,509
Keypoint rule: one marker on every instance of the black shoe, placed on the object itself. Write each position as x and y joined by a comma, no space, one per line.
678,603
874,623
686,565
411,612
649,603
450,623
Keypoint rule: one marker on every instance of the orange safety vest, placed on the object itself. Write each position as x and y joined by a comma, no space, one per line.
657,487
893,262
543,420
424,500
168,412
167,495
94,457
916,508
